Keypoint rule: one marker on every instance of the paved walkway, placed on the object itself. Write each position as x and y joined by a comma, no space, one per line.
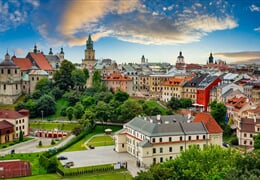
31,146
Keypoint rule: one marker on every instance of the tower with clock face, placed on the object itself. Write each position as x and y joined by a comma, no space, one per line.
10,81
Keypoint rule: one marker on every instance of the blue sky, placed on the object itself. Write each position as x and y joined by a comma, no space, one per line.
124,30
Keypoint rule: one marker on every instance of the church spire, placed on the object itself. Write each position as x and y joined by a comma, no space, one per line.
211,59
89,42
35,49
50,53
61,50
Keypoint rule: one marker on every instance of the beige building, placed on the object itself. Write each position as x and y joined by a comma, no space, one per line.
155,139
10,81
19,119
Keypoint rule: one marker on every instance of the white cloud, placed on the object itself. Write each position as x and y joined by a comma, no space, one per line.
35,3
254,8
19,52
240,56
257,29
137,22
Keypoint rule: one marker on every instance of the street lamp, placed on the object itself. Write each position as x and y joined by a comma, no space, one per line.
42,114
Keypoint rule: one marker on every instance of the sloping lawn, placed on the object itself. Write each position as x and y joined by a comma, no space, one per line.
101,141
60,104
152,103
98,130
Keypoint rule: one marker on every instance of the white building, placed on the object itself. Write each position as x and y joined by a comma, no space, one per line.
158,138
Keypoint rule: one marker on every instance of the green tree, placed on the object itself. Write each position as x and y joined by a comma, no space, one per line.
103,111
78,78
21,136
47,104
69,112
128,110
40,143
52,142
31,105
121,96
218,111
86,72
88,101
88,119
174,103
78,110
63,76
257,141
96,79
56,92
185,102
44,85
72,97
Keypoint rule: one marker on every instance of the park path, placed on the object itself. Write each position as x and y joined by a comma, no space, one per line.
31,146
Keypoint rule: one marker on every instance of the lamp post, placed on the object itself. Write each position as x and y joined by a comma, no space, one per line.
42,114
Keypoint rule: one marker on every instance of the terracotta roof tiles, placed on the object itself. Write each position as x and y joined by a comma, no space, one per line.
210,123
41,61
9,114
23,63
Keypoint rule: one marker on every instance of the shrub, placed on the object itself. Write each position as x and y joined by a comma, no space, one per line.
40,143
234,141
52,142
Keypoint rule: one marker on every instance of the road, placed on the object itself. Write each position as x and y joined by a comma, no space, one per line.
31,146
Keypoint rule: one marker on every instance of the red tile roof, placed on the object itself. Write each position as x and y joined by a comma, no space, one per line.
23,63
176,81
237,103
41,61
5,124
9,114
117,77
210,123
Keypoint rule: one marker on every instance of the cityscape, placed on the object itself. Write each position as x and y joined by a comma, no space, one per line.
129,90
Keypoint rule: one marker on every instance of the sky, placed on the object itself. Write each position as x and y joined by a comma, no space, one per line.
124,30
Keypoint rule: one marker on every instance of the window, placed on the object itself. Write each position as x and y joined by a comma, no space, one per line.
170,139
9,71
245,142
198,137
189,138
161,150
160,139
170,157
170,149
154,150
251,135
161,159
204,137
180,138
123,145
244,134
181,148
154,160
4,87
153,140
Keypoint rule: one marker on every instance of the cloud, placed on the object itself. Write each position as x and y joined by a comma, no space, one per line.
257,29
240,56
19,52
14,13
146,22
254,8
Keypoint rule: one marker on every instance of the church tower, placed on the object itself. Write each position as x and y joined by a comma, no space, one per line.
10,81
211,59
89,60
61,55
180,61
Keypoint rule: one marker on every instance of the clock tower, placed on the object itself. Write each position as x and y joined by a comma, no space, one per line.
89,61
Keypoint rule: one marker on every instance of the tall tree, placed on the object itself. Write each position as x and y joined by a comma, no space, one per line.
218,111
69,112
63,76
44,85
47,104
78,110
121,96
129,110
78,77
96,79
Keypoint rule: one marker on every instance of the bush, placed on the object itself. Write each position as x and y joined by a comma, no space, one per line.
52,142
40,143
234,141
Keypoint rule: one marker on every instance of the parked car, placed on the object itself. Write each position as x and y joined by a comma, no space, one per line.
91,147
69,164
225,144
62,158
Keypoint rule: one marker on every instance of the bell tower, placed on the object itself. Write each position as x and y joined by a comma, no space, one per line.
89,60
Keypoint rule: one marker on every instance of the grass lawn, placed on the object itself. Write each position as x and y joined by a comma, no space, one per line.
108,176
101,141
152,103
98,130
60,103
32,157
52,125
